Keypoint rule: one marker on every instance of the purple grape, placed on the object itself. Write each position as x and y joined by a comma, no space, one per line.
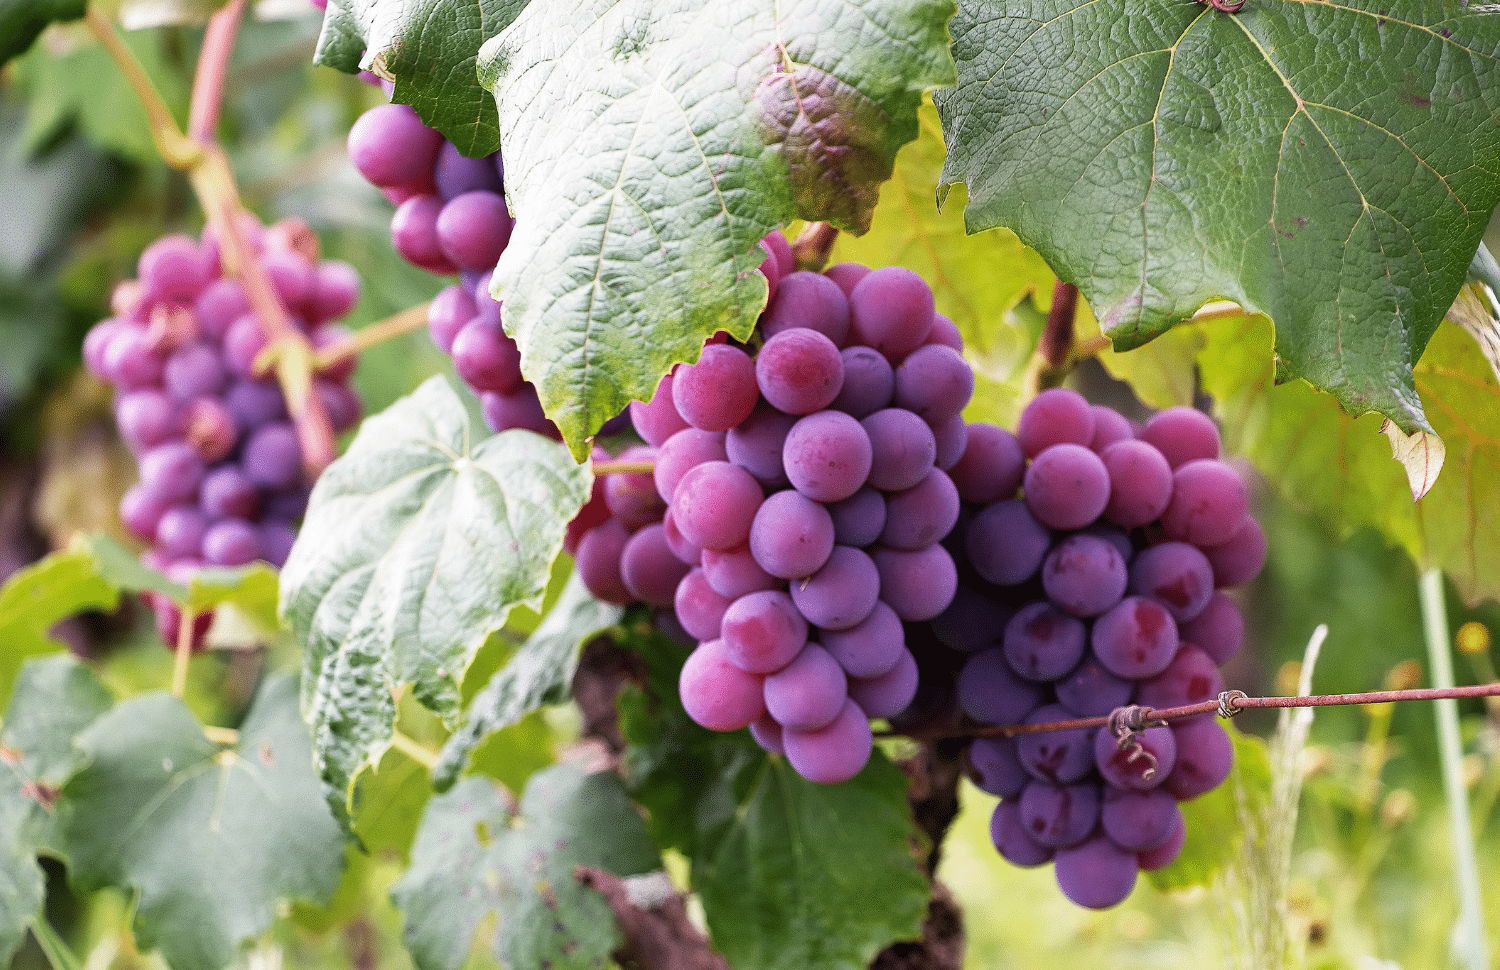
1182,434
1154,859
890,693
934,381
415,236
1205,756
231,542
179,532
827,456
172,471
1058,756
997,766
649,569
869,382
276,541
473,230
393,149
1139,821
273,456
719,391
1095,874
716,693
946,333
1006,544
791,536
141,509
991,467
1042,643
517,408
971,620
254,402
1176,575
921,515
834,753
598,562
990,692
1059,815
1055,416
220,304
1011,839
1240,557
842,593
918,585
657,420
289,503
809,692
632,497
891,309
129,361
698,607
763,631
174,270
808,300
871,647
902,449
686,449
243,344
734,572
951,437
455,174
1191,678
755,444
335,290
447,314
715,503
1219,630
799,371
1084,575
1090,690
1209,503
859,519
1066,486
1136,639
341,402
1139,766
1110,426
846,276
767,734
146,418
1140,483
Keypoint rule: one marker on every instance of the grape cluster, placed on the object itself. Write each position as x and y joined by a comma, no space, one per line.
802,494
451,218
1093,557
222,477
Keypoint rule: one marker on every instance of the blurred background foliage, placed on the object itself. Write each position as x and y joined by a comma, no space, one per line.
82,193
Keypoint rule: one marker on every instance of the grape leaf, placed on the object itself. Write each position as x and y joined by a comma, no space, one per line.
417,543
211,839
427,47
786,868
650,146
1331,164
540,672
21,21
1213,827
55,699
475,856
36,597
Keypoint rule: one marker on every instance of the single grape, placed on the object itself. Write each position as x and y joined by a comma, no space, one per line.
1135,639
1239,558
657,420
1205,755
827,456
486,358
921,515
716,693
172,471
902,449
1084,575
734,572
1066,486
1059,815
1141,764
889,693
631,496
221,303
174,269
846,275
719,391
891,309
447,314
831,754
415,236
1154,859
146,418
808,300
945,332
684,450
1006,544
869,382
649,569
990,692
456,174
842,593
1090,690
918,585
678,543
1191,678
799,371
715,503
767,734
1209,503
935,382
951,437
809,692
859,519
179,532
1139,821
1096,873
698,607
227,492
1110,426
1140,483
1011,840
598,562
763,631
1219,630
791,536
1042,643
995,766
393,149
871,647
1176,575
991,467
1055,416
1182,434
273,456
231,542
755,444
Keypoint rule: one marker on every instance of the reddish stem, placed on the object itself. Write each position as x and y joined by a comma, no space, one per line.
213,67
1057,339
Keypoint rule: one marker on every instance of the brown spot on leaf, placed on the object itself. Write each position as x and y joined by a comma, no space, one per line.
43,794
267,754
10,756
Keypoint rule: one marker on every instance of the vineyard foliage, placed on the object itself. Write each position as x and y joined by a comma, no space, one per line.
1327,168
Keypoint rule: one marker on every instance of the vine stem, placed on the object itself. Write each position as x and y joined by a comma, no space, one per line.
624,467
366,337
57,951
213,183
1468,935
184,651
414,750
213,68
1227,704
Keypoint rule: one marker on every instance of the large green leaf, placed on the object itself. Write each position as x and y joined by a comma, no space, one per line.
477,857
1331,164
38,596
212,840
540,672
55,699
649,146
22,20
417,543
428,48
787,869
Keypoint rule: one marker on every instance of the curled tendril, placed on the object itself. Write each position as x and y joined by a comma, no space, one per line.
1227,706
1126,724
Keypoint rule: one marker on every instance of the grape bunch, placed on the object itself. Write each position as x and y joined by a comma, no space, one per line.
802,494
1093,560
451,218
222,477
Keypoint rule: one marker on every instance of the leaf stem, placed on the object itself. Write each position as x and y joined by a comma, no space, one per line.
624,468
1469,943
184,652
1056,345
58,953
814,246
228,737
175,148
414,750
366,337
213,67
